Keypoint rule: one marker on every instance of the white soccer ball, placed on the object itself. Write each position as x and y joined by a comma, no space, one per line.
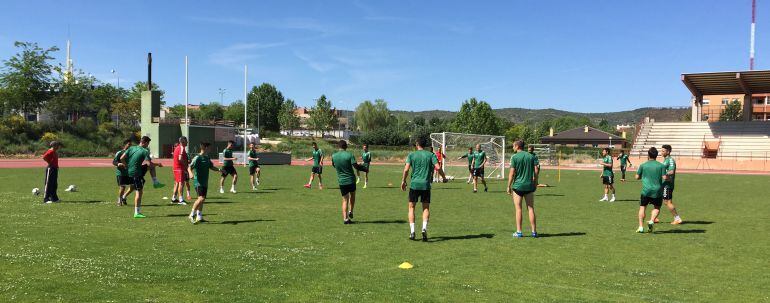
35,191
71,188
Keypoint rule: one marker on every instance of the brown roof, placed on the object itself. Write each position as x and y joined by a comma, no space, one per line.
728,83
579,134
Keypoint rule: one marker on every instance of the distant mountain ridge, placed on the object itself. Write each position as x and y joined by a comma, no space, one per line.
520,115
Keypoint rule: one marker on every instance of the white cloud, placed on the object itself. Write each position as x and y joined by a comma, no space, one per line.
319,66
237,54
307,24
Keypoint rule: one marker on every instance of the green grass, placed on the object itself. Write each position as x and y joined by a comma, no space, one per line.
286,243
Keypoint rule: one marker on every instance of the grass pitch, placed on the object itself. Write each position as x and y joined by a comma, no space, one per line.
287,243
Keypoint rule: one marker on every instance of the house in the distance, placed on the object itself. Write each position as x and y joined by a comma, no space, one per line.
585,136
340,130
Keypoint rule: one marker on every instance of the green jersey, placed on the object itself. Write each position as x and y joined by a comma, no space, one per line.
253,154
343,162
607,172
670,165
317,154
623,160
201,165
480,157
121,172
366,157
422,162
470,158
537,161
227,153
135,156
524,165
651,173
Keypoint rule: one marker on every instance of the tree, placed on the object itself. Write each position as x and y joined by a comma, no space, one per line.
732,112
213,111
129,109
477,117
419,120
370,116
288,117
104,97
25,80
73,98
270,100
234,111
321,115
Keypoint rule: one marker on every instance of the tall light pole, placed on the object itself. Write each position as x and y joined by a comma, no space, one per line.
114,72
222,94
186,98
245,106
753,26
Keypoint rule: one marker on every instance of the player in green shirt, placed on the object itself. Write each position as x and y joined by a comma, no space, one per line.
479,159
608,177
668,183
199,169
469,156
651,173
121,173
254,170
522,183
228,168
318,166
422,163
344,162
132,159
623,158
366,159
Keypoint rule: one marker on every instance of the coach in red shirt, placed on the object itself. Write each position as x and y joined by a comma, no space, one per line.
51,157
181,179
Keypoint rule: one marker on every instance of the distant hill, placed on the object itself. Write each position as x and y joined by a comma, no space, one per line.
519,115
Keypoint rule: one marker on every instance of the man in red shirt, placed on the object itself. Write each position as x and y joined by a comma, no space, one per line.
181,178
51,173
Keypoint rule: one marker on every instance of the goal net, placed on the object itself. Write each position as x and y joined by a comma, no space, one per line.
456,145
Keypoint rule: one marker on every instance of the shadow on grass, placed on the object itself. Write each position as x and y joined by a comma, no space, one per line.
382,222
698,222
217,202
443,188
681,231
466,237
185,215
258,192
80,201
570,234
626,200
549,195
236,222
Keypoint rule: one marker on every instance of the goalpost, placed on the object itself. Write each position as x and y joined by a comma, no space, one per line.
455,145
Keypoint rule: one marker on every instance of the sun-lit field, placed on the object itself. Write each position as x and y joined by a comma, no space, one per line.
287,243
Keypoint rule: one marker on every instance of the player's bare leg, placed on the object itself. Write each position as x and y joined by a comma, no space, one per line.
530,200
517,205
425,217
642,213
484,181
410,216
672,208
320,182
352,204
345,201
475,184
232,186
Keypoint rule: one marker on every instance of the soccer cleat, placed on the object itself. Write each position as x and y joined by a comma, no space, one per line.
348,221
613,199
350,214
424,235
192,219
486,189
158,185
257,181
604,199
320,187
656,220
676,222
253,188
475,190
650,224
232,190
411,236
366,184
139,216
201,220
189,198
306,185
518,234
221,190
640,230
48,202
358,180
182,203
174,200
534,234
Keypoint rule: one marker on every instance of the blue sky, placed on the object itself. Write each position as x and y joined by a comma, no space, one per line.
588,56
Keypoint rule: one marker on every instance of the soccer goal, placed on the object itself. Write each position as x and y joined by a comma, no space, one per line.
455,145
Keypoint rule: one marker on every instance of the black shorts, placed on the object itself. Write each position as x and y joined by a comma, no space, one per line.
145,168
317,170
137,182
470,169
361,167
668,192
124,180
478,172
522,193
608,180
622,168
229,170
418,195
253,169
201,190
656,202
346,189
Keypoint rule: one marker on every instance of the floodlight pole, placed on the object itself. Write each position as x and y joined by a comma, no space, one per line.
186,97
245,106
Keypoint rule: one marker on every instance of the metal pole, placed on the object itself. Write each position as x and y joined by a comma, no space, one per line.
753,27
245,106
186,97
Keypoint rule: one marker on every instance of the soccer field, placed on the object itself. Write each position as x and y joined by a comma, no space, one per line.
287,243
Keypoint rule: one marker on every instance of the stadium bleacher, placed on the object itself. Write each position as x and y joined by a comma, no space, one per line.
738,140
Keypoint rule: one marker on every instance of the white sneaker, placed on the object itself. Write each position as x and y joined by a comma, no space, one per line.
192,219
257,181
221,190
613,199
232,190
604,199
182,203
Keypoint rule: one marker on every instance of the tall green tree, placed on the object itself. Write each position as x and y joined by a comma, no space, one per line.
26,78
322,116
212,111
477,117
370,116
732,112
288,117
268,100
234,112
129,110
74,97
105,96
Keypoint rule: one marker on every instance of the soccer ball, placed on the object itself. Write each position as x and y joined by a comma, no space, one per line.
35,191
71,188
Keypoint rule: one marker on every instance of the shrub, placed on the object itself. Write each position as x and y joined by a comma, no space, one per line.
85,127
48,137
385,136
